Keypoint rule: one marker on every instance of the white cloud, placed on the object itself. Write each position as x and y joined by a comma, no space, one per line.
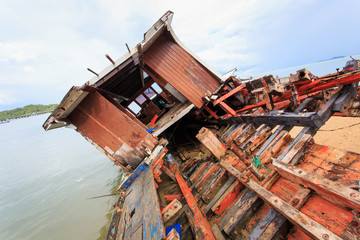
46,50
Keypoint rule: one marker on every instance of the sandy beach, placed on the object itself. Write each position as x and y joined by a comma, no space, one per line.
347,138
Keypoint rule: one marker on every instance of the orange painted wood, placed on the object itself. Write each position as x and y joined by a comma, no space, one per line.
335,218
332,191
111,129
311,227
177,67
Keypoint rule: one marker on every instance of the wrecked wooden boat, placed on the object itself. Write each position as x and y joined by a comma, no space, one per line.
209,156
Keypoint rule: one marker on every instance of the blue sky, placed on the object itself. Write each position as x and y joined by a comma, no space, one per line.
46,46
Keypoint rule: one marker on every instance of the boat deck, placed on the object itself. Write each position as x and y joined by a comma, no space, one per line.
245,182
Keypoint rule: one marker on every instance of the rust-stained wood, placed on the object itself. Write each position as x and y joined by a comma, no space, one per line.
332,163
261,134
311,227
208,138
180,69
230,137
213,186
273,221
238,212
298,150
242,156
206,177
335,218
100,120
274,147
218,195
171,209
332,191
199,221
227,198
244,135
198,172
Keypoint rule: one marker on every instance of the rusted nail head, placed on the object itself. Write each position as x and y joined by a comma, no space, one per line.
325,236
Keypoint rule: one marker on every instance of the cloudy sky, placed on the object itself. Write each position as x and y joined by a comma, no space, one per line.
46,46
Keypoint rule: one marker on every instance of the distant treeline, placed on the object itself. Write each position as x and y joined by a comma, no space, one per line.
27,111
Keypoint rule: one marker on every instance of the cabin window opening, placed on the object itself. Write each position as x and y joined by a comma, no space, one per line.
157,88
160,103
150,93
141,99
134,107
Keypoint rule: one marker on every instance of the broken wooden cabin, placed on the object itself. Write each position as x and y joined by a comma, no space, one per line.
209,156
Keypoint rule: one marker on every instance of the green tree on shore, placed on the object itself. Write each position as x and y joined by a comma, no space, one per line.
27,111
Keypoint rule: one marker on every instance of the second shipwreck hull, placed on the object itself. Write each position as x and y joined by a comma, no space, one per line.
210,156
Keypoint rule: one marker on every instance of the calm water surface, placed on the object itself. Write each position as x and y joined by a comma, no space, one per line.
46,179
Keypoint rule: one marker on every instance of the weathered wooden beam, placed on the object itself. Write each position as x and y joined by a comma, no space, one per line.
212,185
218,195
198,172
206,177
274,147
244,135
283,127
199,220
168,172
237,213
296,148
208,138
273,221
310,119
217,232
332,191
227,198
230,137
309,226
171,209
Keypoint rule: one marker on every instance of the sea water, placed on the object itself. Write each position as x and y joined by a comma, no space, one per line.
46,179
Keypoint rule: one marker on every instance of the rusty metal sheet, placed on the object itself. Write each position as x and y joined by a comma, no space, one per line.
177,67
112,129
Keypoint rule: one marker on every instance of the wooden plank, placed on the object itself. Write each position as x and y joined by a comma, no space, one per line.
206,177
199,172
153,227
274,147
198,234
273,221
229,139
238,212
245,134
171,209
227,198
213,186
217,232
199,177
219,194
309,226
256,139
332,191
208,138
298,149
200,220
